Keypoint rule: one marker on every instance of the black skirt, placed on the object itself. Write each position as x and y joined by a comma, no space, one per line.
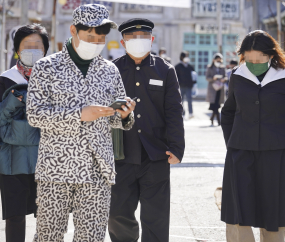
216,105
18,195
254,189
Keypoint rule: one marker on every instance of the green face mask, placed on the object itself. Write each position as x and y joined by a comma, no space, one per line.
258,68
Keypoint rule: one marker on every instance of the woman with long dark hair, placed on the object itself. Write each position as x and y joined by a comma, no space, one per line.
19,141
216,76
253,121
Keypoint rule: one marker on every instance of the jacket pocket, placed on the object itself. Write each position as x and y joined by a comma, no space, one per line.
155,88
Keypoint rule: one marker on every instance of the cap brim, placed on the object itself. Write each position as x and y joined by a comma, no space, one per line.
106,21
135,30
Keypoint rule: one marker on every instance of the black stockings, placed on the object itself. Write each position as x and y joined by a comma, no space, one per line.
16,229
215,113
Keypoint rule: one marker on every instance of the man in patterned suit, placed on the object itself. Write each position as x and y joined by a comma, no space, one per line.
155,141
68,98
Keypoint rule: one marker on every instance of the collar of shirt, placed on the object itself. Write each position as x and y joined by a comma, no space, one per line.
184,64
146,61
74,56
82,65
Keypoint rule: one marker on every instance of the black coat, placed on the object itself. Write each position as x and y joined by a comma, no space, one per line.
158,114
253,117
5,83
184,75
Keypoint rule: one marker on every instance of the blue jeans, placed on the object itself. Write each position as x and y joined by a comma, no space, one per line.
187,92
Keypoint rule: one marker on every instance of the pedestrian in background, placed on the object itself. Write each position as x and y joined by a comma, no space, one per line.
232,65
155,141
19,146
162,52
68,99
216,76
253,121
184,75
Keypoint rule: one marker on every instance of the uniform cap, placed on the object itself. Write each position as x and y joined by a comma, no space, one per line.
136,24
92,15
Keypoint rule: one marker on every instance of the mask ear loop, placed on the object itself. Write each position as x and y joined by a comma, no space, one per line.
78,40
269,62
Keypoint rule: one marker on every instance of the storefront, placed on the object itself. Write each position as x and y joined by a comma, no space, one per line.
201,49
201,39
177,29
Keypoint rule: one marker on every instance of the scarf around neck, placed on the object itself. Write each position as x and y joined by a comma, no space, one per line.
24,70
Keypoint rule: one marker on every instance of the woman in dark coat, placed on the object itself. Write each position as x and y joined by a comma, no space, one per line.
253,121
18,140
216,76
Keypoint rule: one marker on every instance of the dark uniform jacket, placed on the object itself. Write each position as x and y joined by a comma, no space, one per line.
253,117
184,75
158,114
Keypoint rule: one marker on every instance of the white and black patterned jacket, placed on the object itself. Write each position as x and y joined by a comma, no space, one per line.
56,95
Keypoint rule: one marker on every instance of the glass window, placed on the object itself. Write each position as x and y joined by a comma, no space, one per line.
201,39
208,40
231,39
192,56
186,39
190,39
204,39
203,62
215,39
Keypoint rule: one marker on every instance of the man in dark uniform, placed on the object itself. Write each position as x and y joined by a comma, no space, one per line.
155,141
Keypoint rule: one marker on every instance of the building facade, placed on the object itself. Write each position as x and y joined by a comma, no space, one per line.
194,29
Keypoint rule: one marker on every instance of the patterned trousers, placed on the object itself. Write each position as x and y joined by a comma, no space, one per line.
89,203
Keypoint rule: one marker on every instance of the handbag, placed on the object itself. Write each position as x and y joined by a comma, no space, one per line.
118,144
217,85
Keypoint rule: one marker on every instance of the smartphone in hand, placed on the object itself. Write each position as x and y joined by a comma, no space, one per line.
118,104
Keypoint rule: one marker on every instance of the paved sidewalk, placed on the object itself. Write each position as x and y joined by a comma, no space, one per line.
194,214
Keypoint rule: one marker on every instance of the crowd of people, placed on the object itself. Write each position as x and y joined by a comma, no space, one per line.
84,135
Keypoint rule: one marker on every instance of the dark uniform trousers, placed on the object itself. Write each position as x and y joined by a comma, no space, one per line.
148,183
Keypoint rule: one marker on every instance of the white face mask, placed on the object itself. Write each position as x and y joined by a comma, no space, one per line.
30,56
163,56
88,51
138,47
186,60
217,64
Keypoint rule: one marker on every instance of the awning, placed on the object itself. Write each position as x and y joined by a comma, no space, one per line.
271,18
164,3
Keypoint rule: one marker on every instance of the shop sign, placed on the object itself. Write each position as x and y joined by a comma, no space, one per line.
211,29
113,45
208,8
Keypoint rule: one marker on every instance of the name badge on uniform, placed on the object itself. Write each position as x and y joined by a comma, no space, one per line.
156,82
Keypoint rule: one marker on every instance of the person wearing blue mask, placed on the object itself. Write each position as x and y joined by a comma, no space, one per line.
19,141
253,120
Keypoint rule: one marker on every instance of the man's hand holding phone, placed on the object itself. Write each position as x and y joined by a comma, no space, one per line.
128,108
91,113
